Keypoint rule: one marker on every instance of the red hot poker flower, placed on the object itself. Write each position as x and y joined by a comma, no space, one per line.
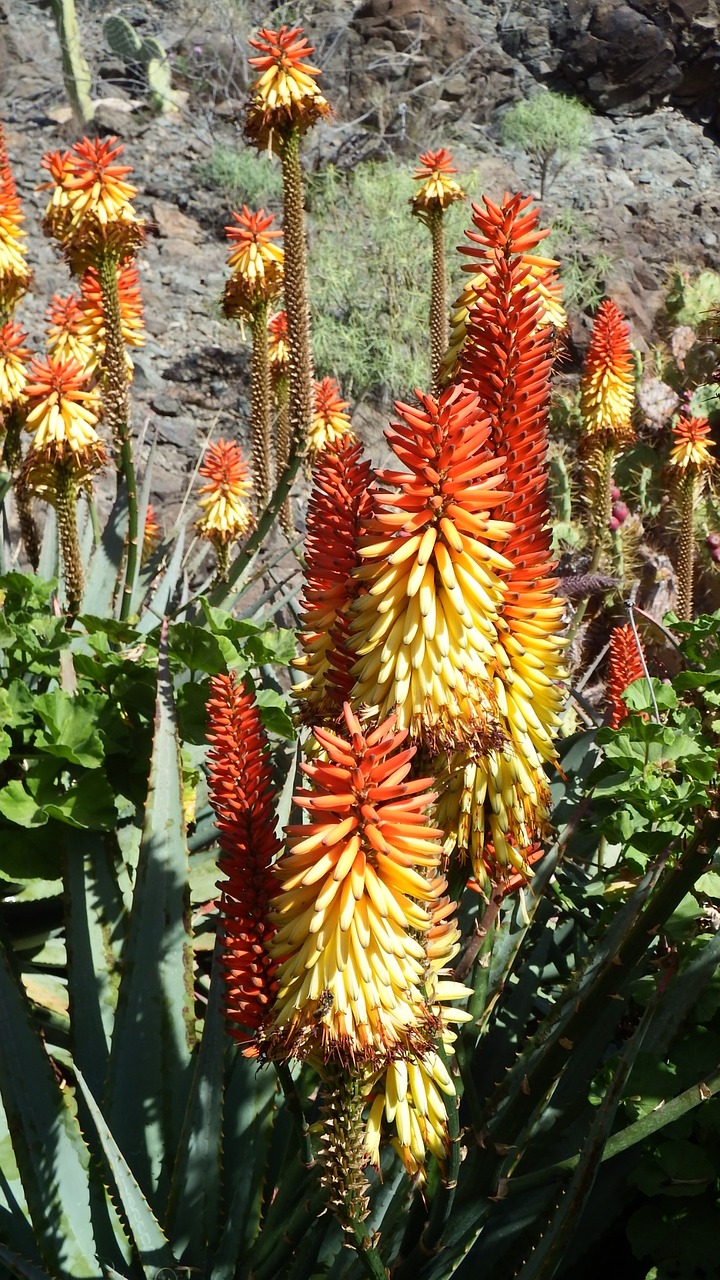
608,383
624,666
241,794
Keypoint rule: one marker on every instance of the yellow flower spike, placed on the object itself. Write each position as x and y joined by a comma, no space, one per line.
607,393
424,630
226,516
63,413
329,421
68,333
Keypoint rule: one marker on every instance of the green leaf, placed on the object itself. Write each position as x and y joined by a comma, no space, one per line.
103,574
70,727
274,713
638,698
88,803
147,1235
18,806
20,1267
249,1107
150,1061
51,1156
196,649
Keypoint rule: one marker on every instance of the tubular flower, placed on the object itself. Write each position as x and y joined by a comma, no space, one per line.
539,280
13,368
241,794
608,385
329,421
90,210
360,886
226,515
14,272
257,264
438,189
132,326
278,349
508,359
625,664
425,630
691,441
285,96
340,504
63,412
68,333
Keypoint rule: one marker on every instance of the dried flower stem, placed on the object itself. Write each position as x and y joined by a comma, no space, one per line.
66,507
439,331
689,494
260,458
296,288
116,411
12,457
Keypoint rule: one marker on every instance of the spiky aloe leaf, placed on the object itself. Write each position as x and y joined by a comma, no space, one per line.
138,588
249,1103
103,572
194,1201
148,1238
165,589
150,1060
49,562
15,1228
51,1156
21,1267
94,922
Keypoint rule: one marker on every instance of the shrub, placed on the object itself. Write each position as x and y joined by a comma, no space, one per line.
551,129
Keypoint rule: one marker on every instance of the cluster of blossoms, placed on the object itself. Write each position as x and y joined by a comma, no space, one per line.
223,498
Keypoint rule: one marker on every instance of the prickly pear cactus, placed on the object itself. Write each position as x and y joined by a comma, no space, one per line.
148,53
122,38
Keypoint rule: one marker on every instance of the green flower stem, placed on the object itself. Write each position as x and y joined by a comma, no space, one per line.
114,383
438,297
66,507
689,495
12,457
260,460
297,302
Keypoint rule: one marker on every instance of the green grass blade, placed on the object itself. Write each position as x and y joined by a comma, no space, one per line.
150,1060
94,940
194,1201
150,1241
51,1156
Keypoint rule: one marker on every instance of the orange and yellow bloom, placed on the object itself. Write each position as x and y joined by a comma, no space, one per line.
438,189
62,411
692,440
285,95
14,356
68,333
607,393
226,516
625,664
90,210
330,421
14,271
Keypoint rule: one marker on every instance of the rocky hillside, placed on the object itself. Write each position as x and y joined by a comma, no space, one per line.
402,75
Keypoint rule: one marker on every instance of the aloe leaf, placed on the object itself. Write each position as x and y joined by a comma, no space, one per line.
101,582
249,1102
21,1267
167,585
51,1156
549,1249
150,1060
148,1238
94,938
48,564
15,1228
144,500
194,1201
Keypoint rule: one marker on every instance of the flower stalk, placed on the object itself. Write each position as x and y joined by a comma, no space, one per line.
65,502
115,391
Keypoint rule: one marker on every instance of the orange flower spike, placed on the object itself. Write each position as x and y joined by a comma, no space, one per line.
63,412
89,210
359,885
329,421
14,272
625,664
607,393
285,95
13,364
424,631
339,506
68,332
438,188
254,256
692,439
223,499
151,534
242,797
132,325
95,183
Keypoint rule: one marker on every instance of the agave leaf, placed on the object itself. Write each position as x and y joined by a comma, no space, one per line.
194,1201
147,1235
94,938
51,1156
150,1060
165,590
102,578
21,1267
